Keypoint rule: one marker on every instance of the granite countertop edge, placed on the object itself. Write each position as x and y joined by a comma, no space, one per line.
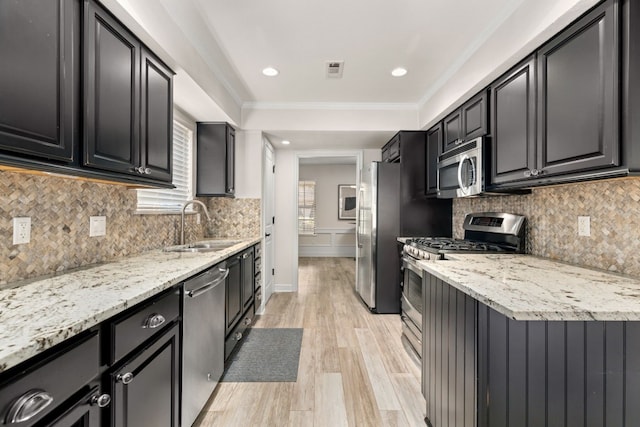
526,287
41,313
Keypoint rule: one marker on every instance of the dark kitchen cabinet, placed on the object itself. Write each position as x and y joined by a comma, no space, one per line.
434,144
233,309
467,122
391,150
85,413
128,96
513,123
215,175
39,77
112,93
156,103
578,95
248,277
145,388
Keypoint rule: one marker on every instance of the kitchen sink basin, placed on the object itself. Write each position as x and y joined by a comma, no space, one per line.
203,246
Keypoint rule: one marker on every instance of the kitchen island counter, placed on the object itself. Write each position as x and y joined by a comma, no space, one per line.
525,287
37,314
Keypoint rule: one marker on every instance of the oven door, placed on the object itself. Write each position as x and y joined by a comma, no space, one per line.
460,171
412,291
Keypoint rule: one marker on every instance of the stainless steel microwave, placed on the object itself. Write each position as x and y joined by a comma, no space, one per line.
461,170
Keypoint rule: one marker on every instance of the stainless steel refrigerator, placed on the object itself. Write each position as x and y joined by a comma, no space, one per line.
378,226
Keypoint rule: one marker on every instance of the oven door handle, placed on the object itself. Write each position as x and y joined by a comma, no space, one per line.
410,264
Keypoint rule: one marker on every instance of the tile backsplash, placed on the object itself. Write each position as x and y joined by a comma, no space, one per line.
60,209
552,222
233,217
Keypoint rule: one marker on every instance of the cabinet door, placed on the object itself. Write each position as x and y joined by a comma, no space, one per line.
513,110
474,117
452,127
39,77
231,161
112,75
578,93
391,150
434,142
233,309
156,133
86,413
150,396
248,278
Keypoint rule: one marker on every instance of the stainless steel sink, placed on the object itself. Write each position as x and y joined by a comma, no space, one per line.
203,246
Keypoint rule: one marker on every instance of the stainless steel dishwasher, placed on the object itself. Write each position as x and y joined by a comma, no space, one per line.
203,328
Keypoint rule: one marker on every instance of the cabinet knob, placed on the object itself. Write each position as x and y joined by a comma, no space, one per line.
153,321
140,170
247,321
238,336
28,406
535,172
101,401
527,173
230,190
125,378
147,171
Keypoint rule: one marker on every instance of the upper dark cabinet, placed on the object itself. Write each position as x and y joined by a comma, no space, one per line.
434,142
215,156
38,78
578,95
156,132
128,94
391,150
112,93
513,124
467,122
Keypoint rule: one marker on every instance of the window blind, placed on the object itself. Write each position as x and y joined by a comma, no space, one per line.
171,200
307,207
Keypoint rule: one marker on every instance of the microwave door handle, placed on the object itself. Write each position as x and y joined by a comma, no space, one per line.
463,159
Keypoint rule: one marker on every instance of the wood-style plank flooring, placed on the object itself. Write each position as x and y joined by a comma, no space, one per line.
353,369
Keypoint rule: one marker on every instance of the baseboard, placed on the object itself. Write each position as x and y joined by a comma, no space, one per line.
278,287
327,251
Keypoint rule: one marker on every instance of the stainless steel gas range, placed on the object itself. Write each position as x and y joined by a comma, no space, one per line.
484,232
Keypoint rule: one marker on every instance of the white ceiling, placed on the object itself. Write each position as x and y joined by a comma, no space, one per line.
451,48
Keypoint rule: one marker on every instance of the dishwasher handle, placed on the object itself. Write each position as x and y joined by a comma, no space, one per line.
210,285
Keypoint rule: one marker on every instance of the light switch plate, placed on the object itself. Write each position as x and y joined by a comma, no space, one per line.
97,226
584,226
21,230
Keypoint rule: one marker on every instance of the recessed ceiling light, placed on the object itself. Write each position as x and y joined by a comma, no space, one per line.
399,72
270,72
285,142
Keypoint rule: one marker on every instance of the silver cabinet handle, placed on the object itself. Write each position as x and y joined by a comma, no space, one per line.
238,336
247,321
28,406
527,173
245,256
101,401
153,321
147,171
125,378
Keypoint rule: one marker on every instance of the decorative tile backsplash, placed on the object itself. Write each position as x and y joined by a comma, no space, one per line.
233,217
552,227
60,209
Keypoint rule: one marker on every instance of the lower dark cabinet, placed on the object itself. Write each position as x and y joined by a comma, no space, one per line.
233,309
248,278
85,413
145,390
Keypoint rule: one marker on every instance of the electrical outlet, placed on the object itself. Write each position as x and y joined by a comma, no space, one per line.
97,226
584,226
21,230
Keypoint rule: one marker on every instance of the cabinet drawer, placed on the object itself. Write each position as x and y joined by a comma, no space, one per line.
258,249
53,380
238,332
145,321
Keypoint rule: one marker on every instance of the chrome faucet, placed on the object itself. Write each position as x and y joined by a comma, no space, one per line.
191,202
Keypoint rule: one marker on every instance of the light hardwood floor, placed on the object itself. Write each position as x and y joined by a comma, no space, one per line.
353,369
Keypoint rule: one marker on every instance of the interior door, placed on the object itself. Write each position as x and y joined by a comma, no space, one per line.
269,221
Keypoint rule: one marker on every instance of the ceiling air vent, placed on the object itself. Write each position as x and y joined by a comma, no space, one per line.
334,69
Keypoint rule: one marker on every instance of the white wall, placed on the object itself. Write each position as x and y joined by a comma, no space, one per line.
248,164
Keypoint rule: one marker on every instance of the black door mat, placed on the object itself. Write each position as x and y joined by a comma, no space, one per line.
266,355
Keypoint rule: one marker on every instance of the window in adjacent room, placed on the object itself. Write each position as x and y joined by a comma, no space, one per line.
307,207
171,200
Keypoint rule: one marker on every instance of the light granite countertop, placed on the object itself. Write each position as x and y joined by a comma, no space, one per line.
525,287
41,313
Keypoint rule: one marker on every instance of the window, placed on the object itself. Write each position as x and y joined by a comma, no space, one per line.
307,207
171,200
